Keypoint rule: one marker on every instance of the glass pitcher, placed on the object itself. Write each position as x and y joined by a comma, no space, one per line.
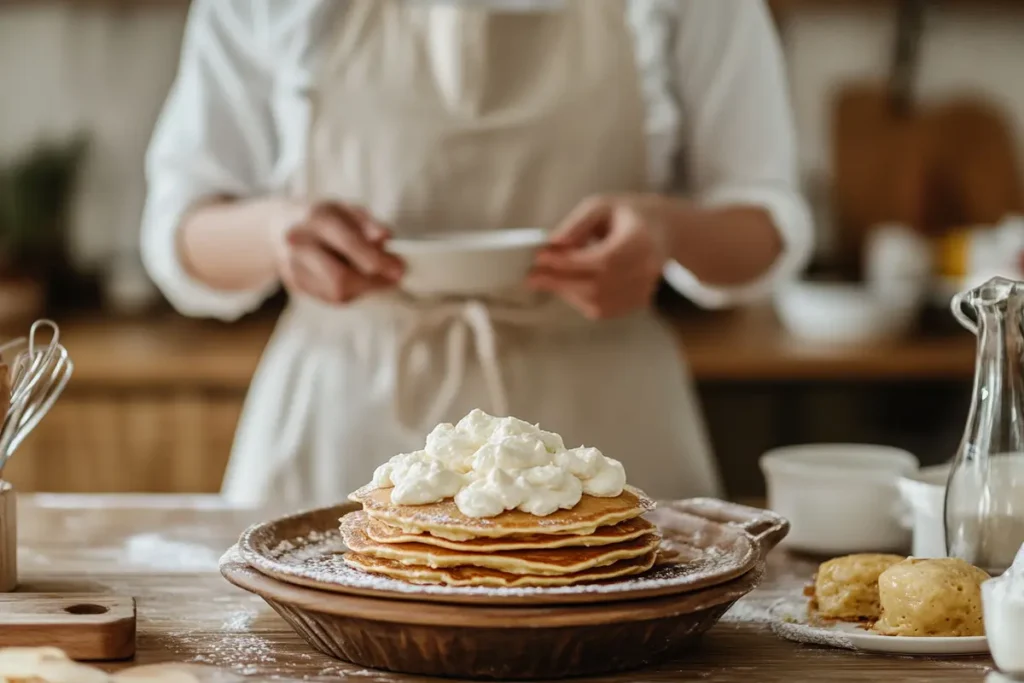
984,507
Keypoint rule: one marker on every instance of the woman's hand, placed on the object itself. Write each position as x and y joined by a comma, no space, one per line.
333,252
607,256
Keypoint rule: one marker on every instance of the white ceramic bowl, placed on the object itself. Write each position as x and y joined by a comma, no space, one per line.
839,498
835,312
467,263
924,498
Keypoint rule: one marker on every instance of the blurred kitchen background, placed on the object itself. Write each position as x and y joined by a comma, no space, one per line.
910,129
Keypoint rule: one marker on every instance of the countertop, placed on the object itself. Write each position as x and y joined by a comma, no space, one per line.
163,550
743,345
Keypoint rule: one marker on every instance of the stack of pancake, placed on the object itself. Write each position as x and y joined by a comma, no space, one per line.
598,539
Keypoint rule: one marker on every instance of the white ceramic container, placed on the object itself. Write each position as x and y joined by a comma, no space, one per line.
467,263
842,313
924,494
839,498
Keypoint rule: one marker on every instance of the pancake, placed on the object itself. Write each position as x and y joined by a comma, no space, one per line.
382,532
477,576
444,519
543,562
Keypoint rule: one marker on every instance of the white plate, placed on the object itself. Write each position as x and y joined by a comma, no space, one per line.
790,621
467,263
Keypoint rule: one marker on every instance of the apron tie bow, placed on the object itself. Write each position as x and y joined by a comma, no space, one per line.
460,323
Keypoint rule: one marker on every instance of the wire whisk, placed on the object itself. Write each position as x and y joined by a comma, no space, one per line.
38,374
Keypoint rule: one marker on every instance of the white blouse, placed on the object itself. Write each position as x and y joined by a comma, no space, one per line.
718,125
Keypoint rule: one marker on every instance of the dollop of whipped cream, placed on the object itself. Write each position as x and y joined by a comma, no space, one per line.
492,464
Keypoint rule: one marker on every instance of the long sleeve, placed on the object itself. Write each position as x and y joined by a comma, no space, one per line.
738,137
215,137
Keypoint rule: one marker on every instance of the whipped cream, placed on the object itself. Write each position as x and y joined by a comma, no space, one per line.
492,464
1002,599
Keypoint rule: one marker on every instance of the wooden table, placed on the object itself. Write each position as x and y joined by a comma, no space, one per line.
164,551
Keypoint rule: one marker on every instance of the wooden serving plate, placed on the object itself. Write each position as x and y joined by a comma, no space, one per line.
490,642
707,542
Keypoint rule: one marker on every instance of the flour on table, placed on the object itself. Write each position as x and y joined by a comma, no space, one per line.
159,552
243,653
750,610
239,622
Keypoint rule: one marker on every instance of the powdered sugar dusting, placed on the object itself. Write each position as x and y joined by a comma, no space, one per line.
812,635
790,621
318,557
750,610
155,550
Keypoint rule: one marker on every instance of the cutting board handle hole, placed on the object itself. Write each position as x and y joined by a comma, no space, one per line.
86,609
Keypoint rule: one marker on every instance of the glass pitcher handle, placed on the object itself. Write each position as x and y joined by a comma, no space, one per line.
956,305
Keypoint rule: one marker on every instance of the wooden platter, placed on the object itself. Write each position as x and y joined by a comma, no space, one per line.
494,642
707,542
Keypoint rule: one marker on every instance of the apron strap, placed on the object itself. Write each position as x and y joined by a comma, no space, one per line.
458,322
463,323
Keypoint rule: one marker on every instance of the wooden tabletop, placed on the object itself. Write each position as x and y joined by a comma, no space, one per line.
745,345
163,550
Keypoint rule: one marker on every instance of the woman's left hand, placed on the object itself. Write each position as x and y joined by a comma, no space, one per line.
607,256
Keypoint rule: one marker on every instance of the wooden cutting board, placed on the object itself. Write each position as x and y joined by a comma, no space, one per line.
86,627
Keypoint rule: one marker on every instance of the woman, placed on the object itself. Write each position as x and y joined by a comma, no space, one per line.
300,135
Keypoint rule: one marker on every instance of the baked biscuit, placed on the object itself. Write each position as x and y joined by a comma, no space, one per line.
931,597
846,588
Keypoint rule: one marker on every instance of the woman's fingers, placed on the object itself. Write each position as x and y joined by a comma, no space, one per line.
585,223
578,293
613,240
356,238
336,254
573,262
595,297
375,231
323,275
613,251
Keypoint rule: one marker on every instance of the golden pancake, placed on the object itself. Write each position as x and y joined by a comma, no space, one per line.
445,521
477,576
545,562
382,532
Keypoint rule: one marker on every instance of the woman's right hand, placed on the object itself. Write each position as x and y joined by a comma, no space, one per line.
334,252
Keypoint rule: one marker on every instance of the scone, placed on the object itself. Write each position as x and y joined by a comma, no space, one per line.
931,597
846,588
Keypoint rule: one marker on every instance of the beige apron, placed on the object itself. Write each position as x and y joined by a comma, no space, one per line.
440,117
